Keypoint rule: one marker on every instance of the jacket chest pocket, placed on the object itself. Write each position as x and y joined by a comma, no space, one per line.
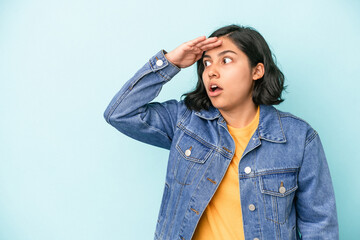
191,158
278,191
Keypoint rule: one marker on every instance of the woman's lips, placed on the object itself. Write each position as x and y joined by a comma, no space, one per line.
213,92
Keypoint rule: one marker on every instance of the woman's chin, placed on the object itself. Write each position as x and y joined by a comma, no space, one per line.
217,102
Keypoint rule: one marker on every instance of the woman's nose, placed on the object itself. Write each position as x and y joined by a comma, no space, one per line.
213,73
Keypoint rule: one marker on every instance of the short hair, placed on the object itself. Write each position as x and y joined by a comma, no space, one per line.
267,90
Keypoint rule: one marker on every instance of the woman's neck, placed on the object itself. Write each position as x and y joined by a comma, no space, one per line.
241,116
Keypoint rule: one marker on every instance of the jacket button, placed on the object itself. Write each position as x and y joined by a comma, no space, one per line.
159,62
282,190
252,207
188,152
248,170
256,239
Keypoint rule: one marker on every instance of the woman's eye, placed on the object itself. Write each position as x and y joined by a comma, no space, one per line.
227,60
206,63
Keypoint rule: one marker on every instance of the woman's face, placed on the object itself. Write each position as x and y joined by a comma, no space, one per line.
228,76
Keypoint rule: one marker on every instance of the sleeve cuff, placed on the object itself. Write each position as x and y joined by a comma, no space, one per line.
160,63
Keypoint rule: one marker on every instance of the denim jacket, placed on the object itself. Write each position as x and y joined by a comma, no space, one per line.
285,185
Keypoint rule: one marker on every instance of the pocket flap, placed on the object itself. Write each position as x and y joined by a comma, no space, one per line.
192,149
279,184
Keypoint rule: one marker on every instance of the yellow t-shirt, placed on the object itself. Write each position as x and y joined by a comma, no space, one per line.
222,219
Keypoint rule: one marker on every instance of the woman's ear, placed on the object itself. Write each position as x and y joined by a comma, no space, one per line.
258,71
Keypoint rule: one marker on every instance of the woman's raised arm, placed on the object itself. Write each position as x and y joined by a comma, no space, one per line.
130,110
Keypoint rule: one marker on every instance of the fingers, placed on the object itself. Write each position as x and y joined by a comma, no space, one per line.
211,45
200,41
198,45
206,41
197,40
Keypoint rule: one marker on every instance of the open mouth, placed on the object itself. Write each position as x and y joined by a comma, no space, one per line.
214,88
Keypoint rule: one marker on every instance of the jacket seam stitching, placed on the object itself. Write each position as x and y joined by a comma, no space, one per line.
176,208
310,138
257,174
294,117
173,125
307,142
215,148
163,75
197,137
184,116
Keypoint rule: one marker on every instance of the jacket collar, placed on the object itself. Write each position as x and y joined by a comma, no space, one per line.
270,127
210,114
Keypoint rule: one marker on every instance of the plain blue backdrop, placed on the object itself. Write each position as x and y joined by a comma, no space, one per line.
65,174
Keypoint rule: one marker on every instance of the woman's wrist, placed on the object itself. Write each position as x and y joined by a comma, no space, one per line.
170,59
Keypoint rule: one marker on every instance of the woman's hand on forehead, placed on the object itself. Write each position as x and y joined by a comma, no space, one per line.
189,52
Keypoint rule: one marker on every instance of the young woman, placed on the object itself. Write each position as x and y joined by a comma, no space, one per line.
238,168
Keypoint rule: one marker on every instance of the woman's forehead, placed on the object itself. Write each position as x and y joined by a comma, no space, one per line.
227,46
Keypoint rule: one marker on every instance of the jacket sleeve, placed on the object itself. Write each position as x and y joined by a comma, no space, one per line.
315,199
131,112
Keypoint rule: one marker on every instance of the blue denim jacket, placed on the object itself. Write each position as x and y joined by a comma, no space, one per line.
285,183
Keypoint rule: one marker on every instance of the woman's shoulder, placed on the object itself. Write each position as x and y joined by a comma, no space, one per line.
295,123
292,117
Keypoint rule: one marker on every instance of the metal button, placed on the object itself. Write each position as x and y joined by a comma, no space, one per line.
159,62
282,190
248,170
256,239
188,152
252,207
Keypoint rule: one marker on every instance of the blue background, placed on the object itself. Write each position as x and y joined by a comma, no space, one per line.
66,174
